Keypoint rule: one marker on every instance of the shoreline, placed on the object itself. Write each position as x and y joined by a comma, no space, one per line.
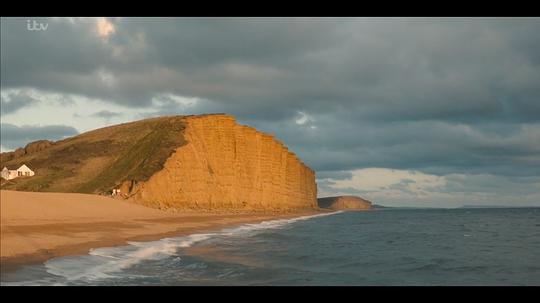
37,226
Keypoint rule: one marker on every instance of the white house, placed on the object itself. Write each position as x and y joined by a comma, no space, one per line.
22,171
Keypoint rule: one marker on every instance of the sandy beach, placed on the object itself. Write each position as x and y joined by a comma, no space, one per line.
38,226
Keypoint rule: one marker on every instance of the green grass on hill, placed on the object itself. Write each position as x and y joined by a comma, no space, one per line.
96,161
140,161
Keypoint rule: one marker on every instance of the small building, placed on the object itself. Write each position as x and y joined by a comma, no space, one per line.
23,171
8,174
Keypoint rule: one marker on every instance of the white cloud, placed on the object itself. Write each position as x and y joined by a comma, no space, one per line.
306,120
168,99
133,48
106,78
374,179
394,187
86,113
70,109
104,28
302,119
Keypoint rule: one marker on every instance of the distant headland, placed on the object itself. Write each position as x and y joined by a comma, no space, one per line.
344,203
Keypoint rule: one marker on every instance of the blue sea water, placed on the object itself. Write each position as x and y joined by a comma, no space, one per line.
380,247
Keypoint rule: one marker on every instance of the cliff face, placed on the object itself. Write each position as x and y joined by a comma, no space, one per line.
344,203
226,165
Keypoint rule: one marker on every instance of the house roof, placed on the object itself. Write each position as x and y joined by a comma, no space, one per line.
23,166
15,167
9,168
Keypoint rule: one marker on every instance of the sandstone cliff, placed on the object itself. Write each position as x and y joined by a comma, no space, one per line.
227,165
344,203
174,162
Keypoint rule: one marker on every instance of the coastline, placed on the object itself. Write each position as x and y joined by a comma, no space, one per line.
38,226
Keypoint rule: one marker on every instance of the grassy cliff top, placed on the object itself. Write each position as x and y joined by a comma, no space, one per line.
98,160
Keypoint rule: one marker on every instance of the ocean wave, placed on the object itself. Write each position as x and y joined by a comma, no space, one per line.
272,224
103,263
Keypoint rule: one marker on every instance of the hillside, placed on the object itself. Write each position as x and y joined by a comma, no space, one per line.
174,162
96,161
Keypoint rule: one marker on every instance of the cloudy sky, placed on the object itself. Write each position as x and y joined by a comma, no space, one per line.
409,112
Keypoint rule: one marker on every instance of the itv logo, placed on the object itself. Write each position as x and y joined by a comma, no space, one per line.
33,25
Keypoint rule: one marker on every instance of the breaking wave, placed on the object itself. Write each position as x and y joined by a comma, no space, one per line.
103,263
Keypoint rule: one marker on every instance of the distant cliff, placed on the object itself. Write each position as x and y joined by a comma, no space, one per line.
344,203
178,162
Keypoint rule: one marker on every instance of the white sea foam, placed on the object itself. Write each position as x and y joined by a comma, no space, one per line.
102,263
272,224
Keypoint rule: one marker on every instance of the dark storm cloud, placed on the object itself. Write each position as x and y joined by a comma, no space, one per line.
379,68
325,186
491,184
106,114
11,102
207,58
336,175
438,95
18,136
435,147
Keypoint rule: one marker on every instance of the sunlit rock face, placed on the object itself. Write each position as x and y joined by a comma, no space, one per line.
224,165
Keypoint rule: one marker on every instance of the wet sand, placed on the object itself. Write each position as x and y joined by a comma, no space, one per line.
38,226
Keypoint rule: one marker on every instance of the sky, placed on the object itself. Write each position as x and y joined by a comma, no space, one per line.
429,112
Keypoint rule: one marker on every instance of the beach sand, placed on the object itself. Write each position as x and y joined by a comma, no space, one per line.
38,226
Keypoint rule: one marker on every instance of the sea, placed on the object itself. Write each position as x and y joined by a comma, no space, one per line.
382,247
